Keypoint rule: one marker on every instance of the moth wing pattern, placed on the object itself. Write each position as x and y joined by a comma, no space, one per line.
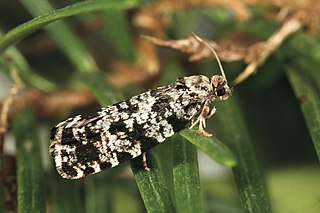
87,144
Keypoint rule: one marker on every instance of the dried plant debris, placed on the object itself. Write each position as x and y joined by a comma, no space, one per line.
199,51
49,104
297,17
10,98
7,180
306,10
294,14
259,52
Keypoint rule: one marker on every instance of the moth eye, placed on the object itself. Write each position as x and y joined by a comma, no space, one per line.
221,91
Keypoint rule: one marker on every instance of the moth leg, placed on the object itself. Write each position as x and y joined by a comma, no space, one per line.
194,123
145,164
201,120
213,110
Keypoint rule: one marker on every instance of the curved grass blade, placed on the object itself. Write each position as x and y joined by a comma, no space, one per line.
211,146
30,179
70,44
26,28
25,71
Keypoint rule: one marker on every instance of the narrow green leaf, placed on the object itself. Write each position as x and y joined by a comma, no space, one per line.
163,154
64,37
25,71
248,175
186,177
26,28
306,87
211,146
152,187
30,179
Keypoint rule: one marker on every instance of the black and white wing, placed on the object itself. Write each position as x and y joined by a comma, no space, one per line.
87,144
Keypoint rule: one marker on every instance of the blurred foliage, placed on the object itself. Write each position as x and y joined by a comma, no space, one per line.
269,129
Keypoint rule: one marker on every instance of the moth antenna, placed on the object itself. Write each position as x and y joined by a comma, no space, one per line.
213,51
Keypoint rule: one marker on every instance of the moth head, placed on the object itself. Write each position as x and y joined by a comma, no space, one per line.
220,88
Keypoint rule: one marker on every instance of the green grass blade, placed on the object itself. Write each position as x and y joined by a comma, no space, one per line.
26,28
64,37
152,187
211,146
30,179
306,88
163,154
247,174
188,197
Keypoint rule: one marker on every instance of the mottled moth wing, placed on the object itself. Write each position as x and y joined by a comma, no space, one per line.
87,144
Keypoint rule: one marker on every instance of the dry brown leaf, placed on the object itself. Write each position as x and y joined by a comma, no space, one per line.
296,14
259,52
9,100
199,51
307,11
309,15
49,104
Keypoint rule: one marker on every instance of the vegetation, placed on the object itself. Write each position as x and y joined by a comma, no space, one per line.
60,60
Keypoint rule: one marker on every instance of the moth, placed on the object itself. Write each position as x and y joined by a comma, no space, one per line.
87,144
